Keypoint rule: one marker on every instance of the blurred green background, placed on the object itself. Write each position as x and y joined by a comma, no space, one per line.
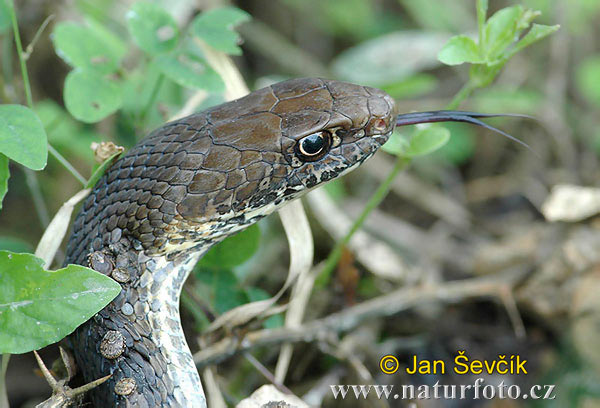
471,210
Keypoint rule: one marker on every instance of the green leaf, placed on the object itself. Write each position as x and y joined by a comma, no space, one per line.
22,136
537,32
190,72
228,293
39,307
112,40
460,49
99,10
102,169
90,48
234,250
90,97
4,175
216,28
427,140
66,134
525,20
586,79
152,28
500,31
256,295
396,144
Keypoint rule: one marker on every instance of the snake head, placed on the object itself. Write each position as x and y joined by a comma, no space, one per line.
280,141
330,127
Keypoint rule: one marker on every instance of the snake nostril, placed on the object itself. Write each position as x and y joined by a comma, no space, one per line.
379,125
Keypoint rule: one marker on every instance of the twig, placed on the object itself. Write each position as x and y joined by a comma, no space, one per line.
67,165
24,74
267,374
335,349
513,311
3,395
86,387
62,394
343,353
57,229
382,306
36,194
293,318
46,373
36,37
301,244
22,60
214,396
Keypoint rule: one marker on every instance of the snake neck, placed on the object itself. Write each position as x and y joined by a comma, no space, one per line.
138,337
161,306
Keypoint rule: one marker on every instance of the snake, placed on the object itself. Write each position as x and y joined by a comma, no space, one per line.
189,185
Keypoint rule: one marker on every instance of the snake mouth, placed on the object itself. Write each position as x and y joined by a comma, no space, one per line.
381,138
459,116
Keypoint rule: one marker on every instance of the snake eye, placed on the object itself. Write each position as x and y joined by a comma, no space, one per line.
314,146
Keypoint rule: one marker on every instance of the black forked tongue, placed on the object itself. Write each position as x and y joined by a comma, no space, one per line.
458,116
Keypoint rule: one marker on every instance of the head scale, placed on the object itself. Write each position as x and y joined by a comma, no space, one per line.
204,176
300,133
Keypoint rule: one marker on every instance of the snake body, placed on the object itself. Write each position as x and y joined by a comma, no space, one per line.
185,187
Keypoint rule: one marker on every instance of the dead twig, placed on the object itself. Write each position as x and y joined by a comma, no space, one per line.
62,395
382,306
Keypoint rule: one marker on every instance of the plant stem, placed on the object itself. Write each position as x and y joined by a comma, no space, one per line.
36,194
153,96
374,201
3,393
37,36
13,17
66,165
27,87
195,309
463,94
